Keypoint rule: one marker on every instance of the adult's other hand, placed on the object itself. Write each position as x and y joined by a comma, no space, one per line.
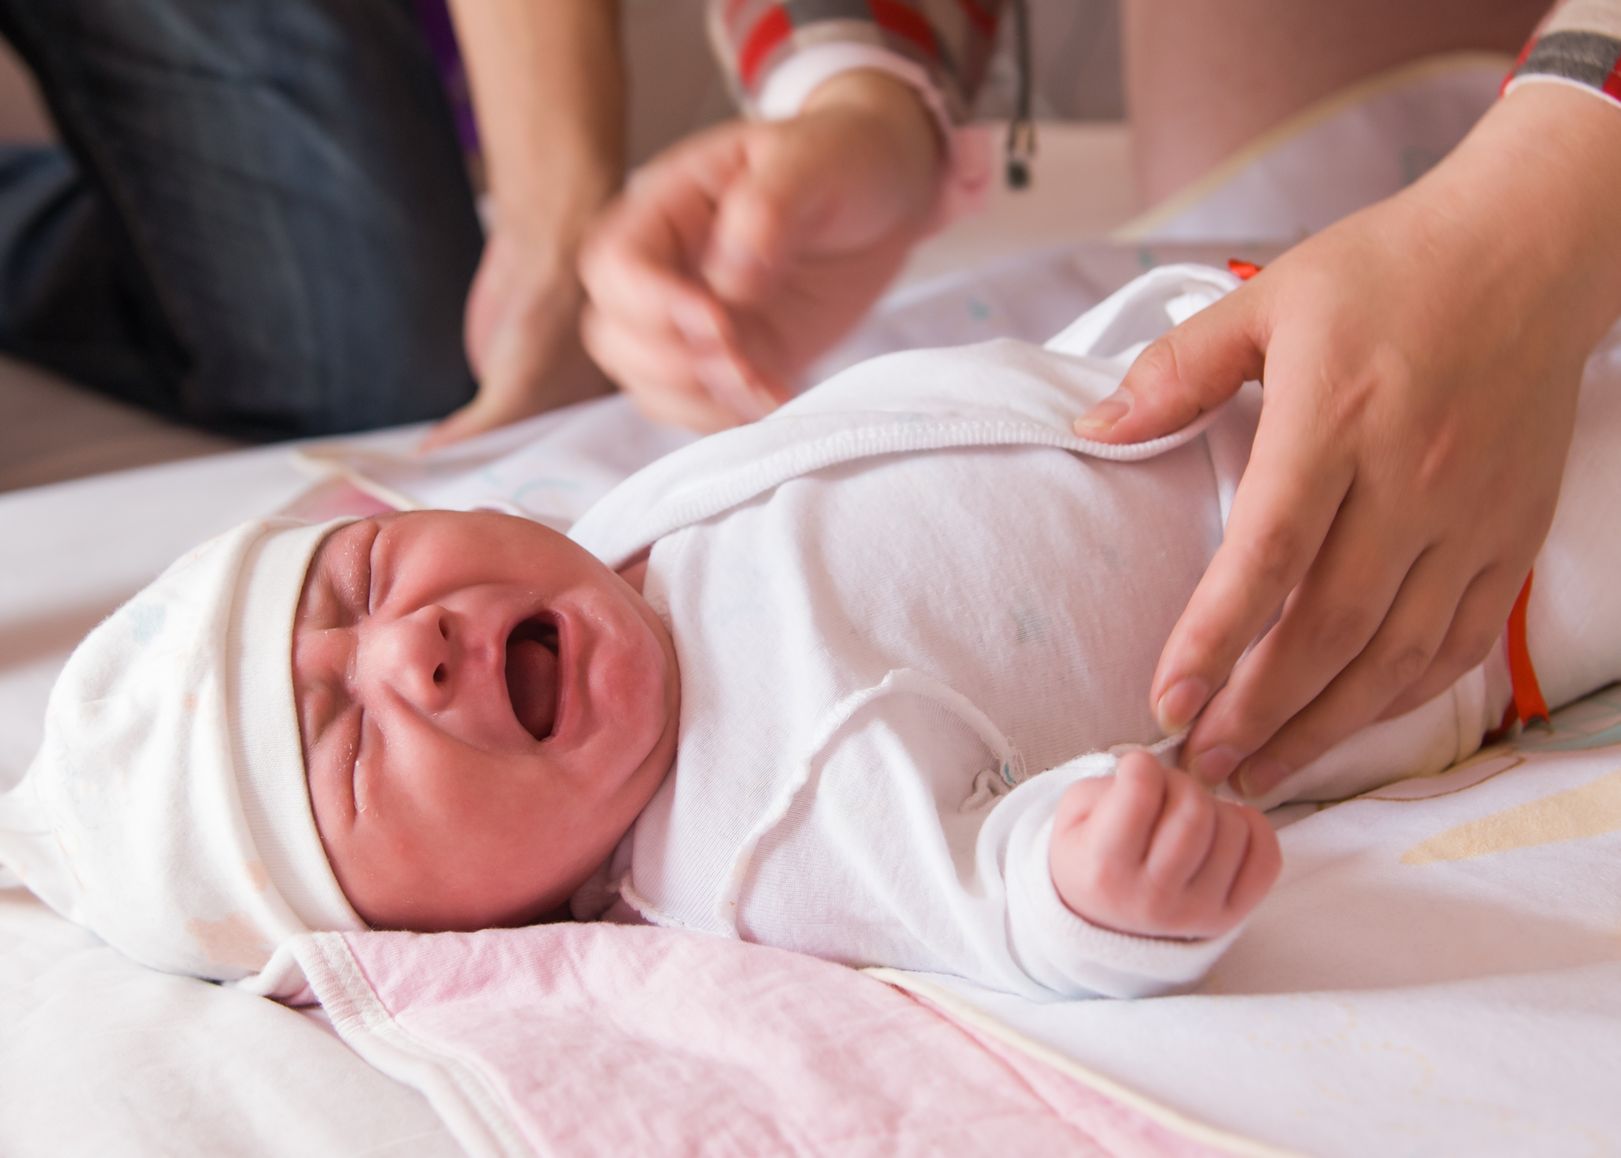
522,334
737,257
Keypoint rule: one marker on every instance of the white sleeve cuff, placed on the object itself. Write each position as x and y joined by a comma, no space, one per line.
1525,78
1072,956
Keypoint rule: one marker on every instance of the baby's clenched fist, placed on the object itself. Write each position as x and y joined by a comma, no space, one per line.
1151,852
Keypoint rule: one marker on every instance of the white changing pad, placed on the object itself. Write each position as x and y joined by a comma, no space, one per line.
1438,971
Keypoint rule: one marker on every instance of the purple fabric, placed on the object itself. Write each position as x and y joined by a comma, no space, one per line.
441,36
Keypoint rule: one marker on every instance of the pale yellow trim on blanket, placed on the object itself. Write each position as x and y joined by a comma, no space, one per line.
1591,809
965,1011
1150,219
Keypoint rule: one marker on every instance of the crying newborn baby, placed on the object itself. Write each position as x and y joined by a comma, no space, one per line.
845,681
484,710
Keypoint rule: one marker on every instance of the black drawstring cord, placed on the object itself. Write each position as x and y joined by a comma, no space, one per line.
1021,136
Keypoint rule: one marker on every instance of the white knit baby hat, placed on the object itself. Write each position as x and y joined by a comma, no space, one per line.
167,810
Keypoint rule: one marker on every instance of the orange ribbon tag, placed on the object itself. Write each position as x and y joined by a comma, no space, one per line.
1528,707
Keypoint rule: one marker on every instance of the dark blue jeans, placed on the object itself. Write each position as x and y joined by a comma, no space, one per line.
260,222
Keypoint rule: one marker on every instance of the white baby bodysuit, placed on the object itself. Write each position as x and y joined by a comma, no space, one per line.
905,609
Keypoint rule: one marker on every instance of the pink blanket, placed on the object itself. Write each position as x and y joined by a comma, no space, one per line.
628,1040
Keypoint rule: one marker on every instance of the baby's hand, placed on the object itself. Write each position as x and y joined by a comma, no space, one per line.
1149,851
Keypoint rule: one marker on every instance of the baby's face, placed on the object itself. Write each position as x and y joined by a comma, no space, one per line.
484,709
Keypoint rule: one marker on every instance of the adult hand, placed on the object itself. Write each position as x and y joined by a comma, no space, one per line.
1149,851
1420,364
548,85
522,333
738,257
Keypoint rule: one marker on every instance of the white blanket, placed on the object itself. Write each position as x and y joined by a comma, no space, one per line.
1438,971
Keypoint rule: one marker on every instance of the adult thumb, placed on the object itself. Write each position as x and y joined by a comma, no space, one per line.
765,218
1193,368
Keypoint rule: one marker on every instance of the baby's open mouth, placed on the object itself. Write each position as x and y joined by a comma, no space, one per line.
533,676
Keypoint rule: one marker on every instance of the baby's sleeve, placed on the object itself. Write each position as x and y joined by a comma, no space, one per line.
903,845
1056,949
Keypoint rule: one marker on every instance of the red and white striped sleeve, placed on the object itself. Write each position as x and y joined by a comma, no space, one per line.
760,42
1579,44
777,52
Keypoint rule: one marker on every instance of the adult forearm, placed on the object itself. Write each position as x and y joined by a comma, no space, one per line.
1558,129
547,83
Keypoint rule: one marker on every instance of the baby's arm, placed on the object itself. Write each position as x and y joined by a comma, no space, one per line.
1150,852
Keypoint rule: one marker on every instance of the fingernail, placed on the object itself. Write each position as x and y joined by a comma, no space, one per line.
1178,706
1261,775
1213,766
1102,417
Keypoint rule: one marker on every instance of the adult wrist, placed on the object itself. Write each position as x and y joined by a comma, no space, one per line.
1540,172
900,106
898,111
555,210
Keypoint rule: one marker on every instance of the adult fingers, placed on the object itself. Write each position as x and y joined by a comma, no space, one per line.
666,379
1193,368
1402,649
1476,626
654,315
1285,504
1342,603
483,413
646,292
695,411
769,213
641,261
523,371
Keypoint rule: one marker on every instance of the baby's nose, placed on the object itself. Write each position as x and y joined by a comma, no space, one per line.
411,655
